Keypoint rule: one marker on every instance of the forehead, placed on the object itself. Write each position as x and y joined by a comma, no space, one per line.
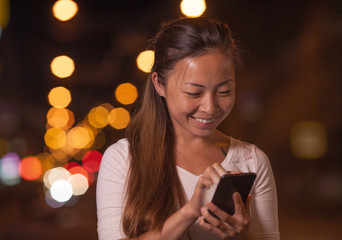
203,69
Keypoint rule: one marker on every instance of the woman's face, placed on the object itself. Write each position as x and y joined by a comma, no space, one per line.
200,94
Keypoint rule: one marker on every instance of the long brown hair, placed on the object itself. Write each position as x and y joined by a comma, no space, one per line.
154,190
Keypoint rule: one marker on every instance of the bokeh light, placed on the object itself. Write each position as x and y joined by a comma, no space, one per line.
59,97
55,138
91,161
98,117
61,190
64,10
9,171
55,174
80,137
309,140
60,117
52,202
145,60
100,140
81,170
30,168
79,183
78,156
119,118
4,14
59,154
193,8
47,161
126,93
62,66
70,165
69,150
107,106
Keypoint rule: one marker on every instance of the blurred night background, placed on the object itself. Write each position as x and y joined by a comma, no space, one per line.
58,115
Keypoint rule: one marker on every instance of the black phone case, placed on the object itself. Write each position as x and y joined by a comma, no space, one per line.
228,184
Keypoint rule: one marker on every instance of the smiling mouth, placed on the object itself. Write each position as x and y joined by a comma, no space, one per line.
204,121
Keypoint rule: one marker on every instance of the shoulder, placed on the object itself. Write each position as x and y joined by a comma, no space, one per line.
246,153
116,157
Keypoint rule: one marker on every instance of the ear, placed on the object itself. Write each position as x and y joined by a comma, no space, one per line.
157,85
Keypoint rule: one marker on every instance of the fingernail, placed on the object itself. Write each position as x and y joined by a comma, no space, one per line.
203,210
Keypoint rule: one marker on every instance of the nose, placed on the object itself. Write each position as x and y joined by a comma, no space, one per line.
209,104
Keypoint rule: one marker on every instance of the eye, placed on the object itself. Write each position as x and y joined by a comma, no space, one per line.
193,94
225,92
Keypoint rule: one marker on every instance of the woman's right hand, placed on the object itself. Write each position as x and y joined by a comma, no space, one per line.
210,176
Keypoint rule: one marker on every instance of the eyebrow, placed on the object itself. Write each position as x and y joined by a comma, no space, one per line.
199,85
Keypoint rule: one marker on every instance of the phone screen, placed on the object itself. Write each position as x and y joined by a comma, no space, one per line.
230,183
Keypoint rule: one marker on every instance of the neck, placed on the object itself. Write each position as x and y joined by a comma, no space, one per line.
196,141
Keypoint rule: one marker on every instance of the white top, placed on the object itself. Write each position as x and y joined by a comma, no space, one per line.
241,156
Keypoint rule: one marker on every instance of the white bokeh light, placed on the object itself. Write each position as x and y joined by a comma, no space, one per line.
79,184
55,174
61,191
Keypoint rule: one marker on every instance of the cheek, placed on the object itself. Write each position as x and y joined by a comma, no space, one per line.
180,105
228,105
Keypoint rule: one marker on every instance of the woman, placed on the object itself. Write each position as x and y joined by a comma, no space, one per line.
151,184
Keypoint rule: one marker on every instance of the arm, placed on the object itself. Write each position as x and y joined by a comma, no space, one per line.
110,200
110,191
264,207
178,223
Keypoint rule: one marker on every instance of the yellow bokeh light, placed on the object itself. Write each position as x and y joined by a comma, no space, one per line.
62,66
309,140
64,10
126,93
100,140
145,61
59,97
69,150
60,117
80,137
4,14
193,8
107,106
55,138
47,160
98,117
119,118
60,155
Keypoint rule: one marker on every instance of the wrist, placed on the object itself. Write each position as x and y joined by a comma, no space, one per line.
189,213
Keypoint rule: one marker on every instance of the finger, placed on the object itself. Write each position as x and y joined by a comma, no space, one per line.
241,211
238,204
211,173
248,201
223,234
219,169
222,215
209,218
204,182
234,172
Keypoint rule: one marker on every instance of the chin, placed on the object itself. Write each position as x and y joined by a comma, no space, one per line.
205,133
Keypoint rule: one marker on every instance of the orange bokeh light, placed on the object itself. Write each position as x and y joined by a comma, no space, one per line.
30,168
126,93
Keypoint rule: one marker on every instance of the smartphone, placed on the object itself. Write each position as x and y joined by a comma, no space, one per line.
228,184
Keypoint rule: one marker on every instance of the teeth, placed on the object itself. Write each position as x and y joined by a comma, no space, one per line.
205,121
